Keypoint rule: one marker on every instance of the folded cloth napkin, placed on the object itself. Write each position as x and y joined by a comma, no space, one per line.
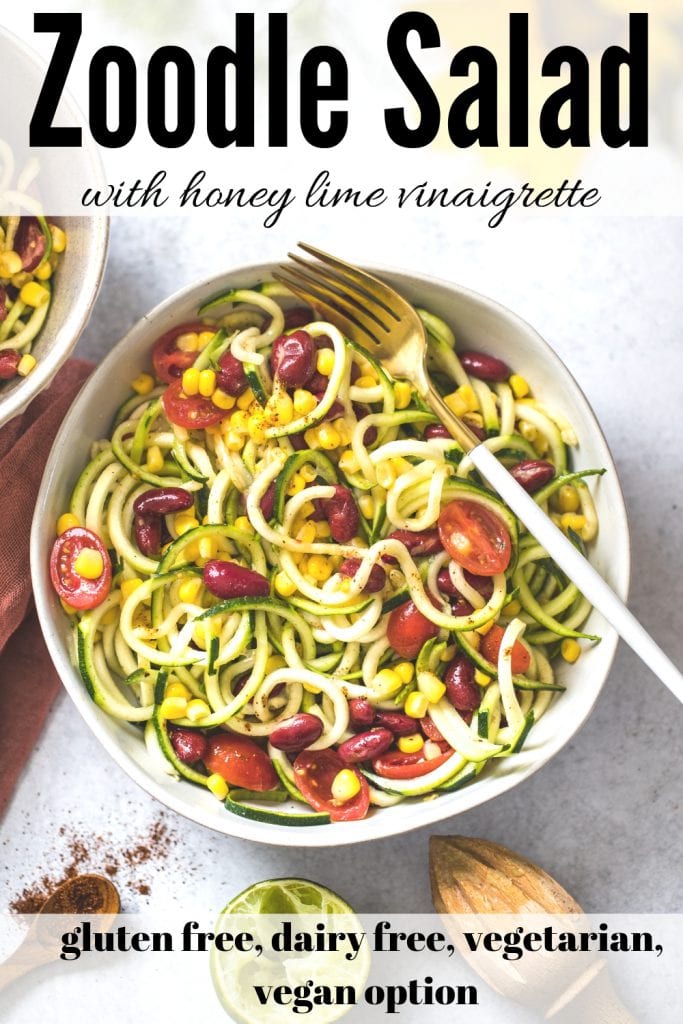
28,681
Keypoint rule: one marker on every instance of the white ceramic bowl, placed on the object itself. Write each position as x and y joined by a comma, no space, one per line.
478,323
79,276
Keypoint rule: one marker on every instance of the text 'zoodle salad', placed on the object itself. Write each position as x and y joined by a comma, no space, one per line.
284,569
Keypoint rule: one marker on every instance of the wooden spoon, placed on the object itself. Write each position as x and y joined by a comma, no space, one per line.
478,877
78,897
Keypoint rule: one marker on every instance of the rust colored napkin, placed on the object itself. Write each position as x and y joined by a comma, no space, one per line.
28,681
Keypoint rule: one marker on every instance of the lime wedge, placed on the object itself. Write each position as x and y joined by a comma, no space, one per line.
294,966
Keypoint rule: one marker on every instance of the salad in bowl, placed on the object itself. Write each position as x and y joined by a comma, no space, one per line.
288,579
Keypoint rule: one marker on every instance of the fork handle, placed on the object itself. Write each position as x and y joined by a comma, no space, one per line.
577,568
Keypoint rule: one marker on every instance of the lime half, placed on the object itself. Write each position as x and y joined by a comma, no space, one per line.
307,954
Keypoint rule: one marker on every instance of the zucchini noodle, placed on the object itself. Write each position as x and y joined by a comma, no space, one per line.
331,498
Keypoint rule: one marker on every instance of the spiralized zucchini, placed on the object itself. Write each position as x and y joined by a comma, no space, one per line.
318,641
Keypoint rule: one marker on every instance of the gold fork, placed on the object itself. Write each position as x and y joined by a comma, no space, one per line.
372,314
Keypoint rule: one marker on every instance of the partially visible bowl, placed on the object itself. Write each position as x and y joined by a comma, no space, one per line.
77,281
479,323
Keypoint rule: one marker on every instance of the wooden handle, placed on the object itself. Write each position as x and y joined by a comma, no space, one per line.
24,959
591,998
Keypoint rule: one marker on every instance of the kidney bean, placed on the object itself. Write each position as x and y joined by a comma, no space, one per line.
461,689
419,542
459,606
231,377
162,501
365,745
478,431
268,501
29,242
533,474
318,384
293,359
484,367
435,430
446,584
148,534
298,442
376,580
227,579
361,713
3,303
370,435
430,730
298,316
482,584
342,514
396,722
9,361
334,412
190,745
296,732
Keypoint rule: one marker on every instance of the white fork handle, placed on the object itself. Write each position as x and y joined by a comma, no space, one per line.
577,568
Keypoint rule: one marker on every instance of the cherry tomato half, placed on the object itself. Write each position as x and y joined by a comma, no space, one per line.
474,537
490,648
315,771
76,590
408,629
397,765
240,761
169,362
193,413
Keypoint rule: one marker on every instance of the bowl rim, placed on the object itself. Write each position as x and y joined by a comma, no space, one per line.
422,814
71,328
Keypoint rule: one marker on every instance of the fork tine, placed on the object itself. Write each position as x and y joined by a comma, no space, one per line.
372,285
332,305
363,300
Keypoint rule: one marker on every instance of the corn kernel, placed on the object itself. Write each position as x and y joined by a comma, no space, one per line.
319,568
203,339
366,381
188,591
43,271
191,551
184,522
328,438
243,523
403,394
322,529
568,499
480,678
570,650
191,381
304,402
486,628
217,785
177,690
512,609
346,783
311,688
143,384
89,564
431,687
283,409
245,399
197,709
20,279
311,438
10,263
129,586
173,707
572,521
386,683
234,442
256,429
296,484
307,533
456,404
348,463
155,459
208,547
222,400
58,238
207,383
188,342
385,475
67,521
239,421
541,445
308,473
448,653
520,387
274,662
33,294
410,744
406,671
283,585
26,364
416,705
366,504
325,361
342,428
528,431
